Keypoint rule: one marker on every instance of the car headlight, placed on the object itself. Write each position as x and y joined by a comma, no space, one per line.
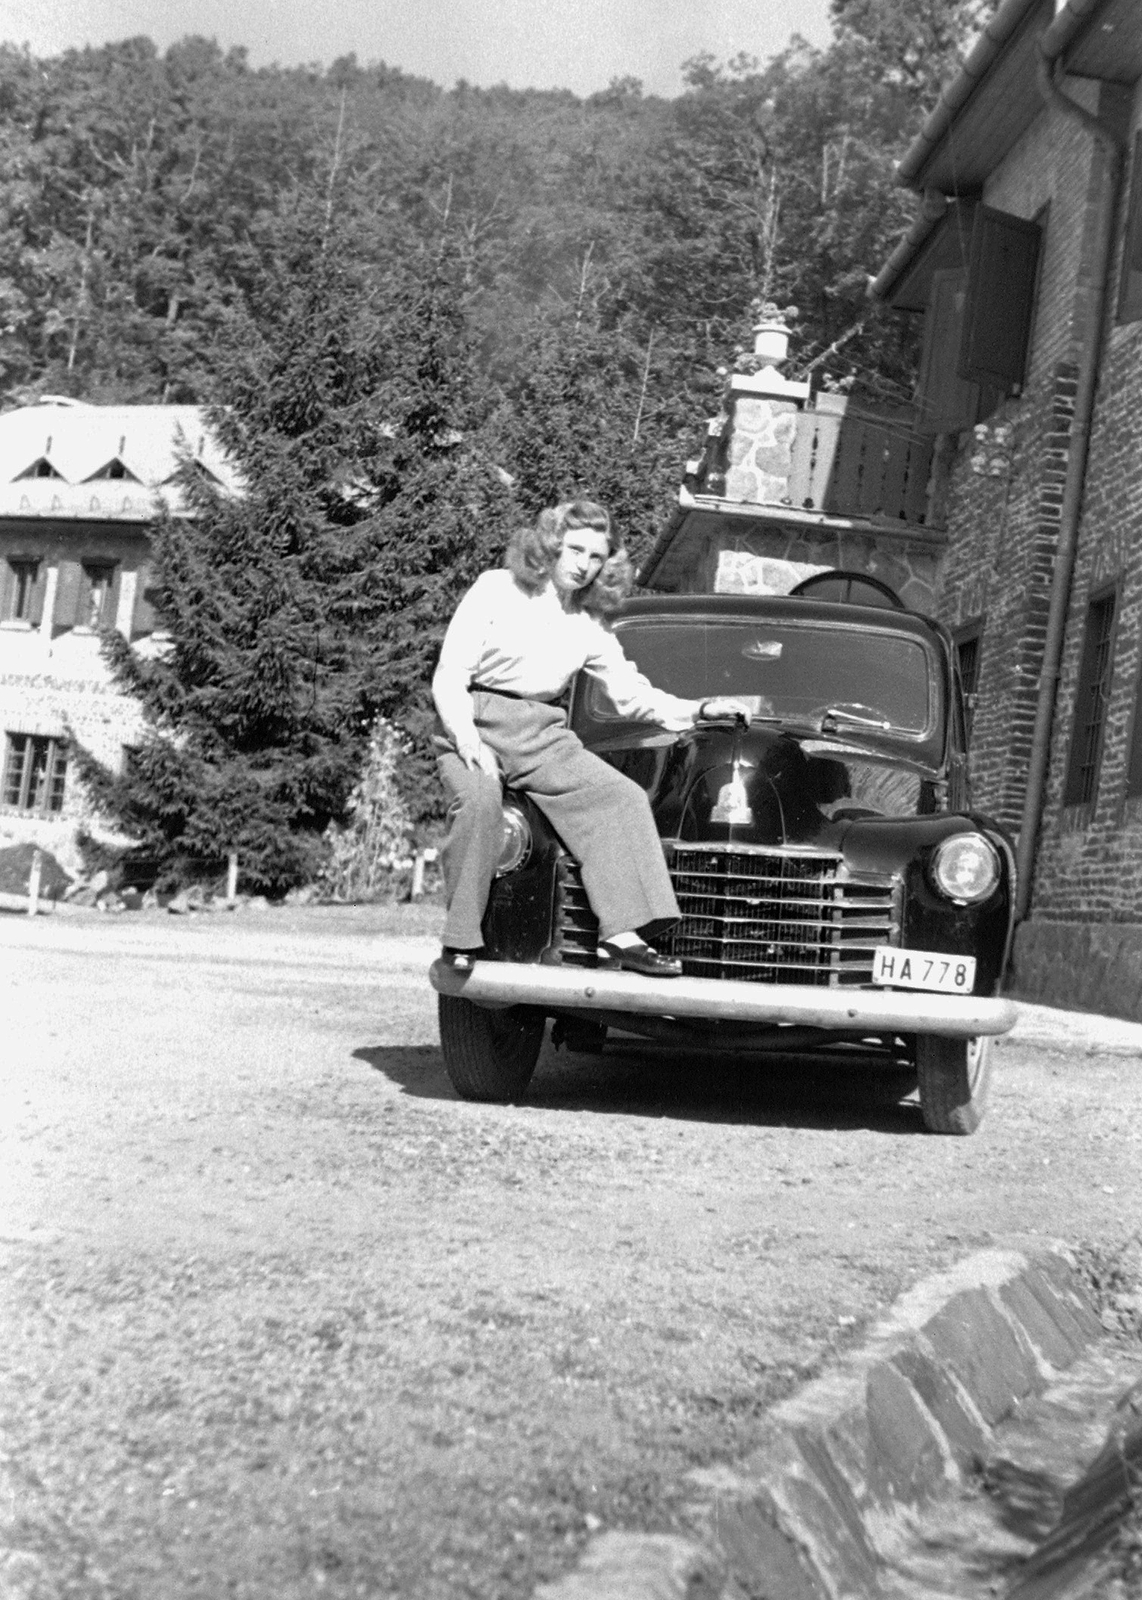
965,868
517,841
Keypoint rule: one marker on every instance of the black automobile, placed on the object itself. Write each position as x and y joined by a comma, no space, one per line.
838,893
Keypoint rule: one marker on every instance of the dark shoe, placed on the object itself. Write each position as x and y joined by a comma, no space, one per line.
641,958
462,960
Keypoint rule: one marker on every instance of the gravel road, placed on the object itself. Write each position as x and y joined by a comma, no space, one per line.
284,1318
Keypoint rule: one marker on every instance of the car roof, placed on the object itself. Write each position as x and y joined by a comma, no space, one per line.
781,608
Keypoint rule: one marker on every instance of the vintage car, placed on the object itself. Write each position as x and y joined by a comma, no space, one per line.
838,893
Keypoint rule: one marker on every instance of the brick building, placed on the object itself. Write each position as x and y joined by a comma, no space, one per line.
1026,263
80,487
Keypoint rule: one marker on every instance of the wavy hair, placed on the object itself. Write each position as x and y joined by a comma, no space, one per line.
533,552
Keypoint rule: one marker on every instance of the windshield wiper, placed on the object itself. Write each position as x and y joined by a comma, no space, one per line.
849,716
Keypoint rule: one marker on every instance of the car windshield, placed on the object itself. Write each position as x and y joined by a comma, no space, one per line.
816,673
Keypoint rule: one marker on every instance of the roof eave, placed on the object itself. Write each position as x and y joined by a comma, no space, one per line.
1004,25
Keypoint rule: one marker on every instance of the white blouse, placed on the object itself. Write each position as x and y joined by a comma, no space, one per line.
527,644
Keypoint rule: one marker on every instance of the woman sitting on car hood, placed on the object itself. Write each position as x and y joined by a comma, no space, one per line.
516,640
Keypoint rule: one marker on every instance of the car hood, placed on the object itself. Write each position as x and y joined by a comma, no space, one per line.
768,786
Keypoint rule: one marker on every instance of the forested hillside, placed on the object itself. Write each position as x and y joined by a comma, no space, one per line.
427,312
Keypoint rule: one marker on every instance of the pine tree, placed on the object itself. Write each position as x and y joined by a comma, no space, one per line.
258,711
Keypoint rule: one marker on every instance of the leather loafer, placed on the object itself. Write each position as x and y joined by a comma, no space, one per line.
641,958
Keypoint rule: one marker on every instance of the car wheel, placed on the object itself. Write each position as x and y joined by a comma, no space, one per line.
489,1055
955,1075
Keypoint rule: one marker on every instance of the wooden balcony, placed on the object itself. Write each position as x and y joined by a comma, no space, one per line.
833,457
848,462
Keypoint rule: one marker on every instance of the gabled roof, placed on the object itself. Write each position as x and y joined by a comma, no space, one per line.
61,458
995,98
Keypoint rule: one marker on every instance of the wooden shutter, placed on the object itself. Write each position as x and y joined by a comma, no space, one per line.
69,592
7,590
143,621
36,609
1130,282
111,603
1002,271
945,403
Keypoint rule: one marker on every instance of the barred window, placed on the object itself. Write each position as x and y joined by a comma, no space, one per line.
1091,702
35,773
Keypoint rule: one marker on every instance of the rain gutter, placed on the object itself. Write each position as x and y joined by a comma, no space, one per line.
988,47
1051,44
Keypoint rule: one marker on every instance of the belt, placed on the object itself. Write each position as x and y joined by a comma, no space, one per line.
510,694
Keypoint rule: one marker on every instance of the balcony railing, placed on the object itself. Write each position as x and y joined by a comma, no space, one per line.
838,458
852,462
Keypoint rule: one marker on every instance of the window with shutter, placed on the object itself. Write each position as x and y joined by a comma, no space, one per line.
945,403
98,596
144,621
1002,275
1091,700
21,589
1130,282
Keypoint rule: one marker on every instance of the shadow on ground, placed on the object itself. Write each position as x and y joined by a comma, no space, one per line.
636,1079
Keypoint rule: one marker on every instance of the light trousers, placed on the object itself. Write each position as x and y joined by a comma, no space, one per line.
602,817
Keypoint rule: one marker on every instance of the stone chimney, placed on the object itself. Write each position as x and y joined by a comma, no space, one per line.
748,457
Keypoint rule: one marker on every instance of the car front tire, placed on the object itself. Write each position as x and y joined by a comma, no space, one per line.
955,1075
489,1055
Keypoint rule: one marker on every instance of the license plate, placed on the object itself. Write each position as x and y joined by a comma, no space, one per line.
923,969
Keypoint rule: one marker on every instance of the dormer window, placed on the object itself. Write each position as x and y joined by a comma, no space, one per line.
38,469
114,469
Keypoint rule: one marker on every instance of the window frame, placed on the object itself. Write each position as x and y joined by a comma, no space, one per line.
18,568
108,572
969,633
1080,792
17,793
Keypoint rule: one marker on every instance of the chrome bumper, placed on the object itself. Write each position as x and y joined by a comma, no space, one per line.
510,983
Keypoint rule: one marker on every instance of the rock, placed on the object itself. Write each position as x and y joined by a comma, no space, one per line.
99,882
185,900
150,900
85,895
132,899
109,900
16,868
257,902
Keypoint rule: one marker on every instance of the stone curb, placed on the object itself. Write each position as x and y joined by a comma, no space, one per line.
806,1516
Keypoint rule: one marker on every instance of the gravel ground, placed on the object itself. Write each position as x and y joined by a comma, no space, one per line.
283,1317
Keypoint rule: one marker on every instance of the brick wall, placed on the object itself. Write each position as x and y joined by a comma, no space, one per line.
1005,494
1006,476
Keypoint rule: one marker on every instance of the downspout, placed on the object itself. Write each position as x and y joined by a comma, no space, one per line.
1077,452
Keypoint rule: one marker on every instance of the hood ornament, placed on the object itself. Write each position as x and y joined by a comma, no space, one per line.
732,805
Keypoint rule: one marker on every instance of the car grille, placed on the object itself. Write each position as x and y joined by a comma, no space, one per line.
759,915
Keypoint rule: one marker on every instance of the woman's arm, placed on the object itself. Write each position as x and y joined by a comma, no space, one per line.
634,695
455,670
